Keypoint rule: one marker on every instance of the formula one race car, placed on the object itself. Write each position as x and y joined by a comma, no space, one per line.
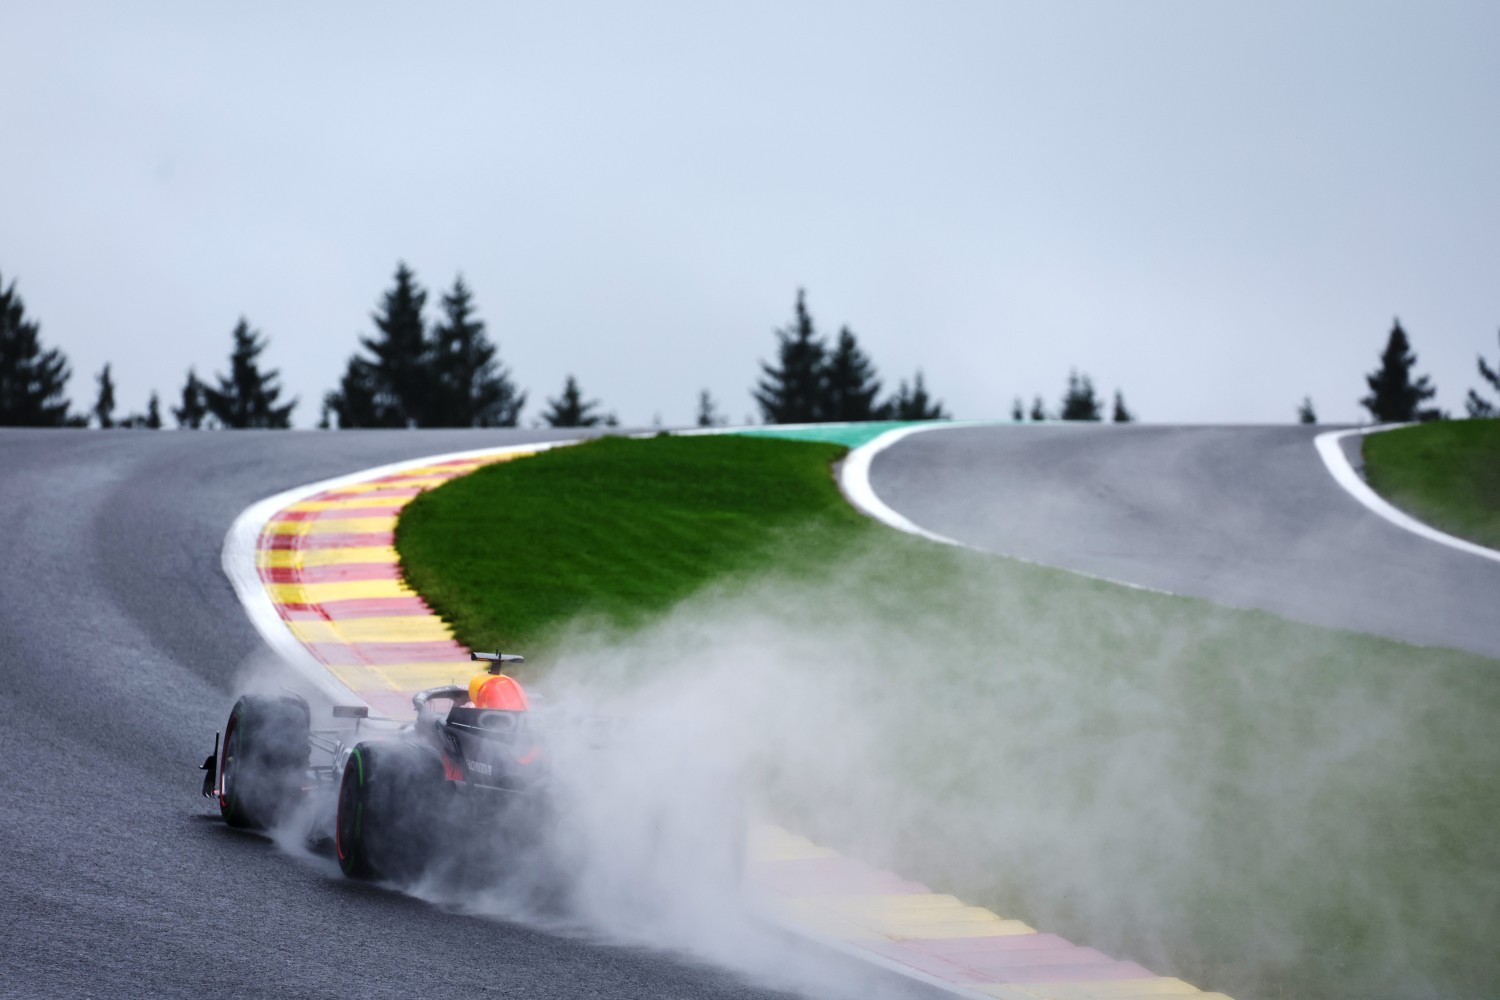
386,792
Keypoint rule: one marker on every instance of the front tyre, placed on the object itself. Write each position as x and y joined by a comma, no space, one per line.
389,799
264,762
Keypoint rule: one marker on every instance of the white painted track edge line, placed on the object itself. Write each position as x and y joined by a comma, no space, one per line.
1331,450
237,557
854,478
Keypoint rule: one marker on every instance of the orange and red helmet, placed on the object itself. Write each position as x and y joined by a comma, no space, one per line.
498,691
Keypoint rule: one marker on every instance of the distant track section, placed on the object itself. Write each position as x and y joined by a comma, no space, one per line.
1243,516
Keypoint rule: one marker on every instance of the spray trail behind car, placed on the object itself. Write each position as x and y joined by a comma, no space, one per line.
642,837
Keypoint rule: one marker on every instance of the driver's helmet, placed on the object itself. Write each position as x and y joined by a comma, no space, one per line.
499,691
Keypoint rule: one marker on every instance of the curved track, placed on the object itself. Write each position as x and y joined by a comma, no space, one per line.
1244,516
120,642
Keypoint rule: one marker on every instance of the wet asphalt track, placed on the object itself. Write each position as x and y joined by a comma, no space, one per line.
119,643
1245,516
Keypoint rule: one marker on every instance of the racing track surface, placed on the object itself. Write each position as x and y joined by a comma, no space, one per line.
1244,516
120,640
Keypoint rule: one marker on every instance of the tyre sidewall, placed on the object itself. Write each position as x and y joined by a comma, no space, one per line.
390,797
264,760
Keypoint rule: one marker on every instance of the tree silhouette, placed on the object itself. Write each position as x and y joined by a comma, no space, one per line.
793,390
708,411
32,380
104,402
190,414
849,382
1018,410
353,402
1477,405
913,403
470,388
1038,410
1121,414
1079,402
1305,413
393,387
148,421
246,397
570,410
1395,397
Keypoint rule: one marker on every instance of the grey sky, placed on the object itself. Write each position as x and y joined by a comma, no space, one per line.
1217,207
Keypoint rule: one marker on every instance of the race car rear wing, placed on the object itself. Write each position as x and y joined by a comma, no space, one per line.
497,661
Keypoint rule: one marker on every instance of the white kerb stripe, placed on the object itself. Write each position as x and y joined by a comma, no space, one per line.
854,478
1331,450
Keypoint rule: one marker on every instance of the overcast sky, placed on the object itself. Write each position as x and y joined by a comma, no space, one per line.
1217,207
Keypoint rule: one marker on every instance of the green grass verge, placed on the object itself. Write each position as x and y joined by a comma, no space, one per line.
1261,807
617,529
1445,473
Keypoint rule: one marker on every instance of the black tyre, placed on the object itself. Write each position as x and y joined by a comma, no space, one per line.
264,762
391,798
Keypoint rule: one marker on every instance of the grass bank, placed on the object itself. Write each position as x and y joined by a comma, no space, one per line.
618,530
1261,807
1445,473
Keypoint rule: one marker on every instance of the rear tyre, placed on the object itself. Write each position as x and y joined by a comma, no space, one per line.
264,761
390,799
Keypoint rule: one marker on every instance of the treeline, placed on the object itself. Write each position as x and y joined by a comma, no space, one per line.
1399,396
1396,396
447,373
412,373
1079,402
814,382
413,376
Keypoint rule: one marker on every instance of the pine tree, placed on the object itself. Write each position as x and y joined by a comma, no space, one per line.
1395,398
354,400
793,391
104,403
708,411
570,409
1079,402
470,388
403,390
1038,410
31,380
1305,413
913,403
192,411
1121,414
1478,406
1018,410
148,421
246,397
849,381
394,386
